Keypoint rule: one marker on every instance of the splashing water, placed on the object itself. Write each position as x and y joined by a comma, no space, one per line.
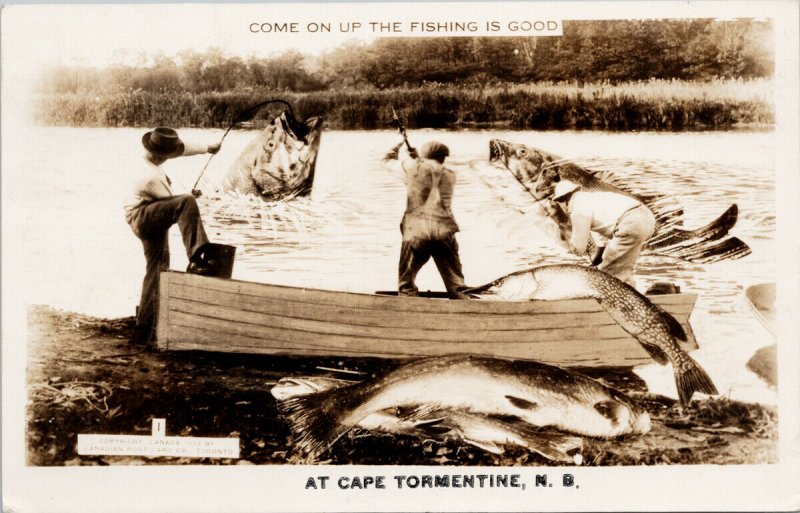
346,236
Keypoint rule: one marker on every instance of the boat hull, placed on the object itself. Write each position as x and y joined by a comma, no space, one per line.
215,314
761,298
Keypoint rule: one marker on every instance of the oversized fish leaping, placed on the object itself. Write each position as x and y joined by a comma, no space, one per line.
280,162
538,170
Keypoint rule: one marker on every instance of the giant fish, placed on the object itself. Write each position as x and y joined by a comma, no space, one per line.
654,328
532,393
280,162
538,171
484,431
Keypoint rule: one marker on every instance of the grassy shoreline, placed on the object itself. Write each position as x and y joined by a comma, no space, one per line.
652,105
84,377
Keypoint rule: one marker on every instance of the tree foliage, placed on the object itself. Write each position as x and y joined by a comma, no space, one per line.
589,51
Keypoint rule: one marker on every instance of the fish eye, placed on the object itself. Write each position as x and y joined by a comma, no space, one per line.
522,152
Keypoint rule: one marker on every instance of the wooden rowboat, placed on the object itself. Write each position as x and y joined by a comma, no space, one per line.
761,298
764,362
216,314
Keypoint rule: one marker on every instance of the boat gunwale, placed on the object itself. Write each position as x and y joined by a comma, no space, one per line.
688,299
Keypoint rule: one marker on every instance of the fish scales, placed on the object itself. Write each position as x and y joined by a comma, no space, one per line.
483,431
538,395
538,170
654,328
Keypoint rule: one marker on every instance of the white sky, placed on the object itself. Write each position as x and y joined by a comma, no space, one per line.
97,34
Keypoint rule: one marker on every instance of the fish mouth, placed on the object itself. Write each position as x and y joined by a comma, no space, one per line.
498,151
303,131
293,174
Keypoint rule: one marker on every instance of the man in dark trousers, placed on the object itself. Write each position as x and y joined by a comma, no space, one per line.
152,209
428,226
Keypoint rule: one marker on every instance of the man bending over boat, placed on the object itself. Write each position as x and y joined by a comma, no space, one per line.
152,209
624,221
428,225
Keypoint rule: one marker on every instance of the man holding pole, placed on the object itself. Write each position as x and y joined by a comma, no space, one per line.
152,209
428,225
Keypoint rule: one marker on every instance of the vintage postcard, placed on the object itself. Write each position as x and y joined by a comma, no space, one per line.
456,256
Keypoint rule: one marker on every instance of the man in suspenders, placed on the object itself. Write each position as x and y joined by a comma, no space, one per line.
428,226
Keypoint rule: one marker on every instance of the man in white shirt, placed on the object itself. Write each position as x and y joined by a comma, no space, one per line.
152,209
623,220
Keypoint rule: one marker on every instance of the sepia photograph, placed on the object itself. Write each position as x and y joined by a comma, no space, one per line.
517,256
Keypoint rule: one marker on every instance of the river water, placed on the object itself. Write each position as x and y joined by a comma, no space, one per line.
79,255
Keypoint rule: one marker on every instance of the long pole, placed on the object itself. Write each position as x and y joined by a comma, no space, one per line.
401,128
548,213
245,115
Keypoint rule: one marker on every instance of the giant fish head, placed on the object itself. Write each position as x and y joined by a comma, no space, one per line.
280,162
525,162
549,396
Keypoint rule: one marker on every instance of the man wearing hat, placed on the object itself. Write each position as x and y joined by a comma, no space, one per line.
428,226
152,209
624,221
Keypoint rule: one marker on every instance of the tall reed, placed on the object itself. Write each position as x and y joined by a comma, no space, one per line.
645,105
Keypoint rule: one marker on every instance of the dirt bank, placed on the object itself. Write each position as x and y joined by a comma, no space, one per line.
84,377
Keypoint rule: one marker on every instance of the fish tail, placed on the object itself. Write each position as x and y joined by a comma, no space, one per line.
692,378
315,420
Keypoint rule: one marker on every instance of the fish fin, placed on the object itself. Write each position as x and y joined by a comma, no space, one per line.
523,404
433,427
675,328
417,413
314,420
552,445
608,409
655,352
693,379
486,446
556,446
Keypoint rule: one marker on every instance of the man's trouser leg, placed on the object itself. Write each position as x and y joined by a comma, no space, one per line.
159,216
156,253
412,258
445,254
631,233
152,224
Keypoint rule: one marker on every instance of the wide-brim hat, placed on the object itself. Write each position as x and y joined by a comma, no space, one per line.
564,187
163,142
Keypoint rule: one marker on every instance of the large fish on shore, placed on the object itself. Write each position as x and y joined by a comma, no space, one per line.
483,431
654,328
280,162
534,394
538,171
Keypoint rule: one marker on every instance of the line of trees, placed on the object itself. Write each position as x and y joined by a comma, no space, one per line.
589,51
